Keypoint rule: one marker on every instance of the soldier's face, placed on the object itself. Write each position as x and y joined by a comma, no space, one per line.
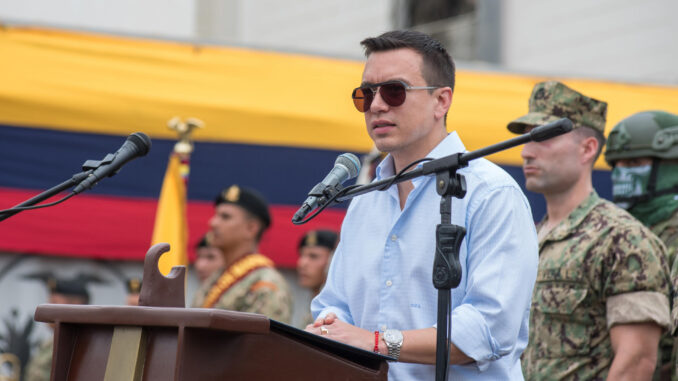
208,260
552,166
635,162
312,266
232,226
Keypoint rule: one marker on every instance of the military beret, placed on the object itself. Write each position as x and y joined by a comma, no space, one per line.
76,286
205,241
248,199
133,285
326,238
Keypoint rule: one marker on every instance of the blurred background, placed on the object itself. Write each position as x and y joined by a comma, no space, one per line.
270,80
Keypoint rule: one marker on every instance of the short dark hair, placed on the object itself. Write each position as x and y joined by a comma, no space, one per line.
438,67
588,132
262,225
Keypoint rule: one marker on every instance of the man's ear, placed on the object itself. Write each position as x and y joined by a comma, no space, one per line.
252,225
589,149
444,101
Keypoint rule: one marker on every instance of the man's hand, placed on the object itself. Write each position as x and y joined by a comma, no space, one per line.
419,345
333,328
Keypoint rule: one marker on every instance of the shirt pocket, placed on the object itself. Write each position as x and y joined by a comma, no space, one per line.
562,327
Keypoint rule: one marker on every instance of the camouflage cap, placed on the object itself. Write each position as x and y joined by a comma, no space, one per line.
553,100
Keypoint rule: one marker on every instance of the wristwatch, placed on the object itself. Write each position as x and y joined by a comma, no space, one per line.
394,341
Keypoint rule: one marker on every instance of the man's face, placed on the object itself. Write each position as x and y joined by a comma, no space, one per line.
208,260
231,226
412,128
132,299
312,265
635,162
554,165
57,298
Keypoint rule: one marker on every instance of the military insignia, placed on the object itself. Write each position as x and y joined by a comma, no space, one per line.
232,194
312,239
134,285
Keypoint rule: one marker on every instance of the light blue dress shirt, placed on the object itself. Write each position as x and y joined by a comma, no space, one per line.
380,276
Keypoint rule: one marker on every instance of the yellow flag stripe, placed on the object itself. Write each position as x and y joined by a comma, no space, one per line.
170,219
93,83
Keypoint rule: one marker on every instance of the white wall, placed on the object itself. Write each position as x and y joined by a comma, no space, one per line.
332,27
610,39
326,27
161,18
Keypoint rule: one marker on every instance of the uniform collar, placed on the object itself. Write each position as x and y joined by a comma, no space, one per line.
573,220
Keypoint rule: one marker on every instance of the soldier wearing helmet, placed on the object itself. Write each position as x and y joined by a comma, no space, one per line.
643,152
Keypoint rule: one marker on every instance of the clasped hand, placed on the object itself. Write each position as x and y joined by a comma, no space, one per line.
333,328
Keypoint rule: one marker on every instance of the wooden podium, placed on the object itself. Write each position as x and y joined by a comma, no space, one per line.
162,340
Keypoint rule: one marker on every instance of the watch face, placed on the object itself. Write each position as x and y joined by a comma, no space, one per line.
393,336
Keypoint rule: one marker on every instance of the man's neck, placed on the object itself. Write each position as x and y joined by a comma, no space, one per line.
233,254
403,158
560,205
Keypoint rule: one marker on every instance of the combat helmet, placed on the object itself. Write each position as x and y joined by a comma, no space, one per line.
645,134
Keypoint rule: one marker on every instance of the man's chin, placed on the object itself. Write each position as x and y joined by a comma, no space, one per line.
533,186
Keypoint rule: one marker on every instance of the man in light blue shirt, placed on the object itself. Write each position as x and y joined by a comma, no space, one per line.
380,278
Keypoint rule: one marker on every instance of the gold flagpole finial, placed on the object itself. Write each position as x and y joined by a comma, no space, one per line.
184,129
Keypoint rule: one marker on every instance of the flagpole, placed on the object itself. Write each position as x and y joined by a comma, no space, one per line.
171,224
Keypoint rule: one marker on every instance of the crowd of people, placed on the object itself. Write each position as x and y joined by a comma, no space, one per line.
586,294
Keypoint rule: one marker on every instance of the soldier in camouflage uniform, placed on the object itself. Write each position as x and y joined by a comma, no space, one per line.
643,152
249,281
601,300
61,291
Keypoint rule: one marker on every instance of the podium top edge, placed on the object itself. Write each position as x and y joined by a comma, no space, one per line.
153,317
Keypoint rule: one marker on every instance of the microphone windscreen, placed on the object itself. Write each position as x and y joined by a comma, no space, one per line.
141,141
351,162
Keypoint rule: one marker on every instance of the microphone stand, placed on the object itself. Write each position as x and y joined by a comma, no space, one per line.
74,180
88,168
446,266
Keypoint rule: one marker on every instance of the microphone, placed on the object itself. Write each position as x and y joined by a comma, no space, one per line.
137,144
346,167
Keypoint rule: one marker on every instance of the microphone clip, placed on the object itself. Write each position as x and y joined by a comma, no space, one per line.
94,164
324,193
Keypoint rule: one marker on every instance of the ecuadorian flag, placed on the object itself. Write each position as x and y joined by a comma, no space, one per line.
274,122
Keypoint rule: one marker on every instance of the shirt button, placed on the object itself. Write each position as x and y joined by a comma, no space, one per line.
389,283
394,237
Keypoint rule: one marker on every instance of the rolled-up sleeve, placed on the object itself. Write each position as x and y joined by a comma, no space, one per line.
502,263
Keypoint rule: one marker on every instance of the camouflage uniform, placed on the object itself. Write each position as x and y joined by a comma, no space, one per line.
597,268
262,291
667,231
644,158
39,368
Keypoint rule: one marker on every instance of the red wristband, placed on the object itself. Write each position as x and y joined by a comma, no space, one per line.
376,342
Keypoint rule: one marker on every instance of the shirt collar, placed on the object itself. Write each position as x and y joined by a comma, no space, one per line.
568,225
451,144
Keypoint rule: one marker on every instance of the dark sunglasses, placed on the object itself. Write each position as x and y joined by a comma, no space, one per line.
392,92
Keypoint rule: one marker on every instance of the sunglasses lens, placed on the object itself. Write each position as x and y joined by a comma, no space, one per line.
362,98
393,94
